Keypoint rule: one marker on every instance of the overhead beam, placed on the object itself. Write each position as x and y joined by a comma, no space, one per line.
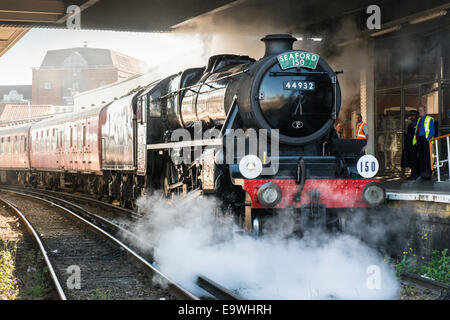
46,11
209,13
393,25
27,17
17,34
84,6
38,7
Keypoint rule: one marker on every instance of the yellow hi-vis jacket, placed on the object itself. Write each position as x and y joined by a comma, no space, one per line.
426,125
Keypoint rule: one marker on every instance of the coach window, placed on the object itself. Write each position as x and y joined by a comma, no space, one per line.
57,140
8,145
84,136
79,136
16,145
54,136
24,144
2,146
71,138
41,142
47,141
61,141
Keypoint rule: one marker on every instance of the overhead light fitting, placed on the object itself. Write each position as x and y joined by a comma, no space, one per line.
348,42
385,31
429,17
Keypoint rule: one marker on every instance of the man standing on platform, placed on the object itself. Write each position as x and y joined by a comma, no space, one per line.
409,156
423,134
362,129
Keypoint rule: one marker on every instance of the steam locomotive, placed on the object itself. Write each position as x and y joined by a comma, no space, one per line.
289,100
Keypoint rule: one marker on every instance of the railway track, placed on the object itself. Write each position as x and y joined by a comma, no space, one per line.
114,220
108,268
111,223
440,289
216,290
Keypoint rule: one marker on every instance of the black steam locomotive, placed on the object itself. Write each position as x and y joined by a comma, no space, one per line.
291,96
257,134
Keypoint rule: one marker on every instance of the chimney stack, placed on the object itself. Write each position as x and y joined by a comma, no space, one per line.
278,43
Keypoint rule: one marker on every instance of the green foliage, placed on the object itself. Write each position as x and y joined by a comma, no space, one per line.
9,288
409,291
437,269
40,275
99,294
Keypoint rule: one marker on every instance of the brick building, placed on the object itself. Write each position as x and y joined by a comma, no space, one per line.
69,71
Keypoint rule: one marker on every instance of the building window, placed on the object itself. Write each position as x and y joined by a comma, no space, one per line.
75,86
47,85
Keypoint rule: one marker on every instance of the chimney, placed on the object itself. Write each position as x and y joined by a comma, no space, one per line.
278,43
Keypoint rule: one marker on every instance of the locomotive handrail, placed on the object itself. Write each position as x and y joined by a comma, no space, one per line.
183,144
439,163
298,73
203,83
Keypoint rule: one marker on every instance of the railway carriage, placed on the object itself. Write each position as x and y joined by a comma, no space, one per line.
14,152
66,149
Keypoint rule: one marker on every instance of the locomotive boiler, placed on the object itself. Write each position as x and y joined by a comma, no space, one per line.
259,135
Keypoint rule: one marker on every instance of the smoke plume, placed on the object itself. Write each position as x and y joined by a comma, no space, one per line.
187,241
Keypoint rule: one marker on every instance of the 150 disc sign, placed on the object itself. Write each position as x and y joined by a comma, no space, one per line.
368,166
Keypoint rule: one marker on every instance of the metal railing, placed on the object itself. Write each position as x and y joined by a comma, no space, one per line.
438,163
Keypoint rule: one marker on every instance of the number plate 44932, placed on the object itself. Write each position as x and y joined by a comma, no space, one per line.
299,85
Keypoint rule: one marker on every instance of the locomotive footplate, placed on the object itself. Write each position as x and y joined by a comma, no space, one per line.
313,215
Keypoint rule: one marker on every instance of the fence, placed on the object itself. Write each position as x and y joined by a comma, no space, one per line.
438,164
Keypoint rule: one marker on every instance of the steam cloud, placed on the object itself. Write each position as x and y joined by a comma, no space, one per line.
240,30
187,241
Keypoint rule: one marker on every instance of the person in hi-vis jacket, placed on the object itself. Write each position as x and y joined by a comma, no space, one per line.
423,134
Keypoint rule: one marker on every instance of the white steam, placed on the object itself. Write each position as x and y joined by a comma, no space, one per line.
187,241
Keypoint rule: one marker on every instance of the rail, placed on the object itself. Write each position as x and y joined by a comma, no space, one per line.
438,164
83,215
216,289
430,284
39,243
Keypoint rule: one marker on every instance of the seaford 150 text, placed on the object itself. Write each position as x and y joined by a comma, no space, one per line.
298,59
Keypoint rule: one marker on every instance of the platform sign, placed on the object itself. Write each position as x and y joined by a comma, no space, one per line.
368,166
296,59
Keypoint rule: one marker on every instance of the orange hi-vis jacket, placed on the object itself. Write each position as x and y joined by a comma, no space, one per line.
360,134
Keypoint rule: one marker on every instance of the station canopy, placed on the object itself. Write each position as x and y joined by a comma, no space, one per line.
313,16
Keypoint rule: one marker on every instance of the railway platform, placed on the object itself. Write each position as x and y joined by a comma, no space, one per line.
423,190
428,205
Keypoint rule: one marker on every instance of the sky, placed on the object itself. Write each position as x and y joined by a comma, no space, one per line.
152,48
